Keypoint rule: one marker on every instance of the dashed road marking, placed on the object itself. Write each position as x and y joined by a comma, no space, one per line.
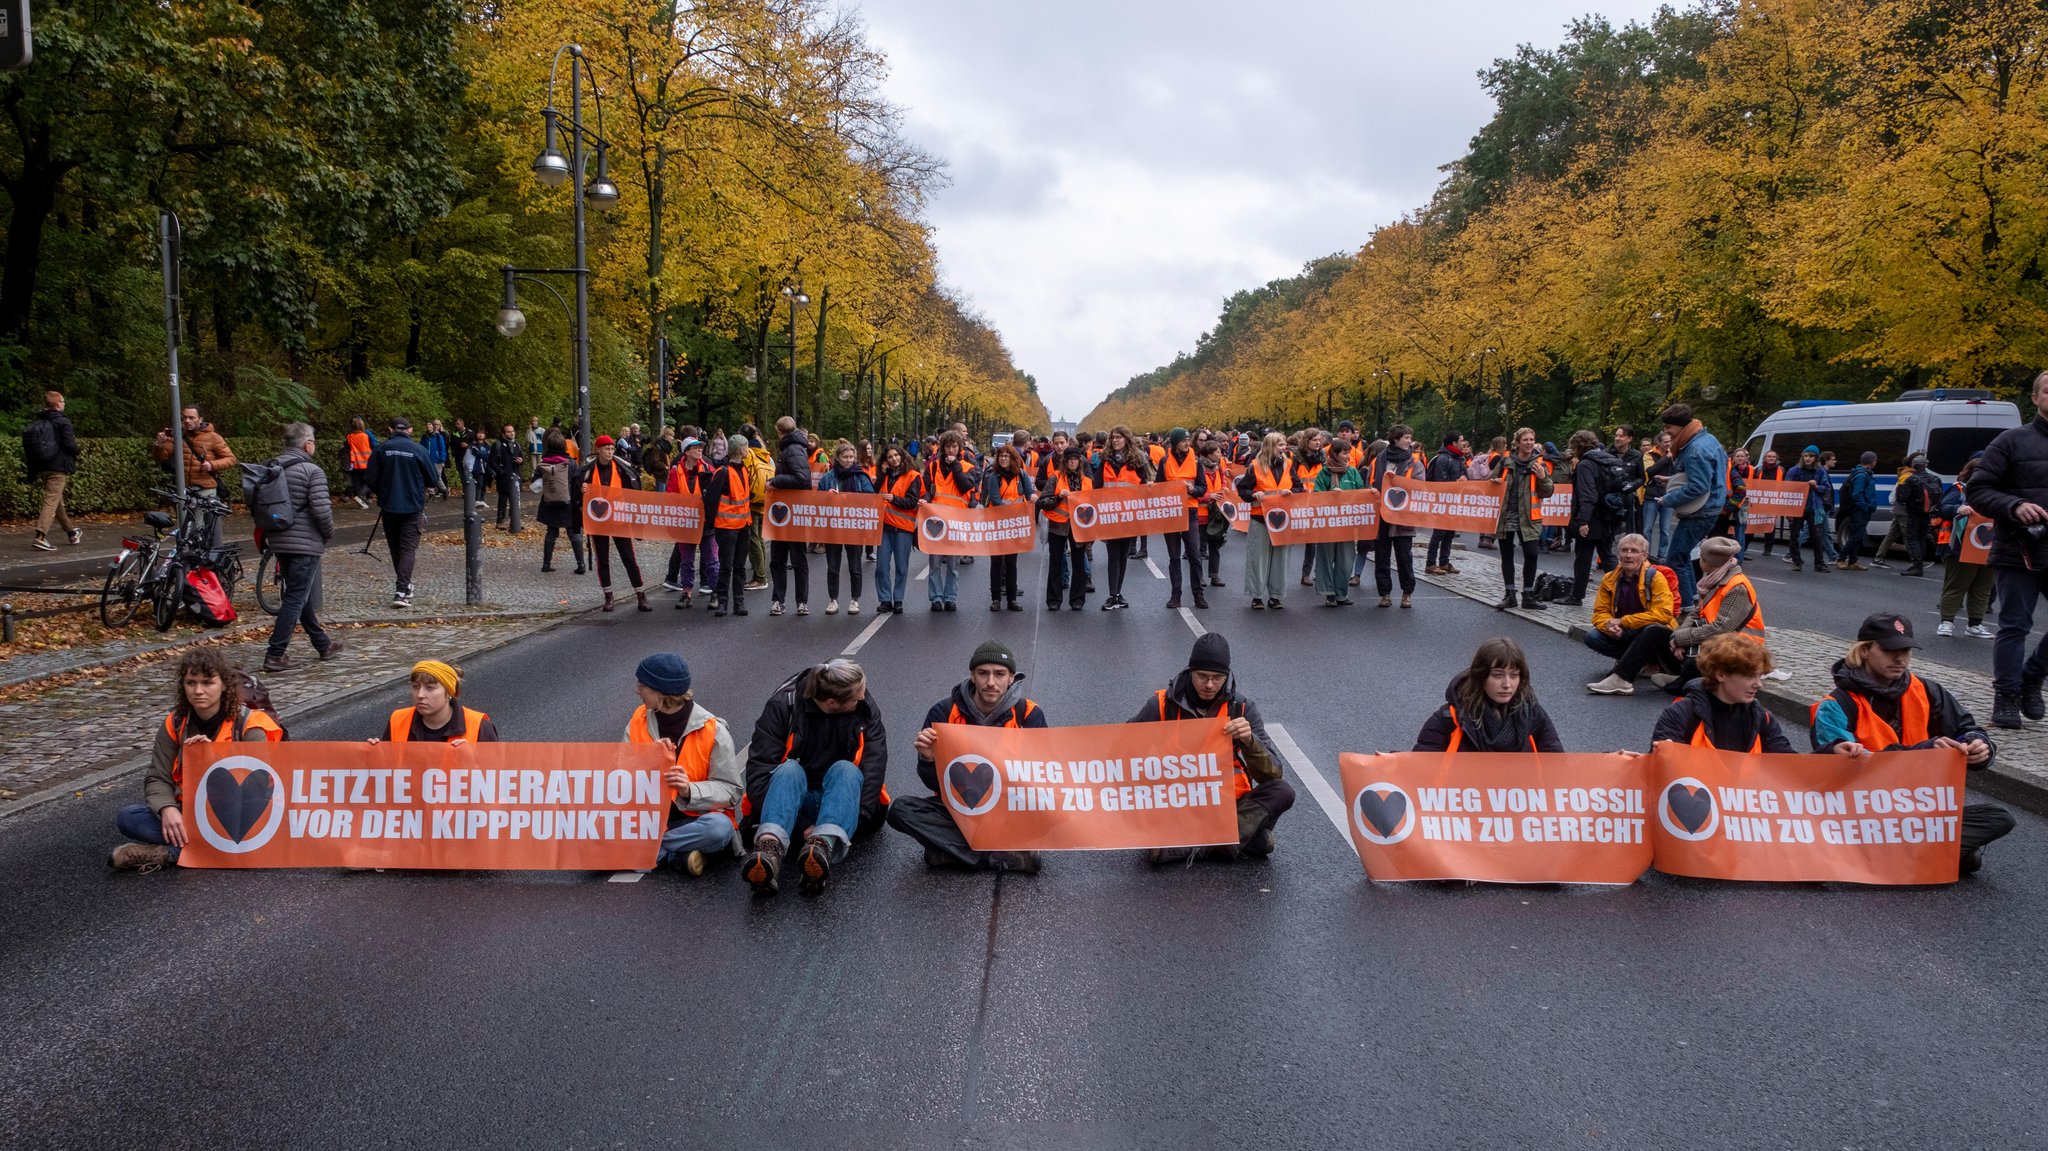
1326,796
1156,573
1194,624
625,877
867,633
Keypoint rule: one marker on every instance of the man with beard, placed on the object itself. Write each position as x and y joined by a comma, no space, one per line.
992,695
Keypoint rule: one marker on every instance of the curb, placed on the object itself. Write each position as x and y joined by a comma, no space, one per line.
105,775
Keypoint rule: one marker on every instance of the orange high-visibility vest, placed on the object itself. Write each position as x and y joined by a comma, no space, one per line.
1120,476
1700,738
1214,480
946,488
1265,481
251,720
1017,714
358,451
1458,735
1712,607
735,503
1242,783
1307,474
401,724
1155,453
1184,470
893,516
617,483
1009,490
1872,731
1059,486
693,751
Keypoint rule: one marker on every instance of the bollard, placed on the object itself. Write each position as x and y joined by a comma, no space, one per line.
518,491
472,542
6,623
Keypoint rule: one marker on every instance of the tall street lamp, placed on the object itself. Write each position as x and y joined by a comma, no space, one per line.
553,169
794,293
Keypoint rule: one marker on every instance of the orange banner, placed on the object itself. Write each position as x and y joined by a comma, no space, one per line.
1556,510
1322,517
497,806
1114,786
944,530
1458,505
1894,817
1238,512
1978,535
815,517
1766,500
676,516
1498,818
1122,512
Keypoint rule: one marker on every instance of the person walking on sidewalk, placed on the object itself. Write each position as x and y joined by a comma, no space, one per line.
1447,466
606,472
992,695
814,770
49,451
436,443
1206,689
1859,503
789,563
705,778
561,499
1962,582
208,709
359,446
505,459
299,547
400,474
1524,482
1695,494
207,455
844,475
2011,486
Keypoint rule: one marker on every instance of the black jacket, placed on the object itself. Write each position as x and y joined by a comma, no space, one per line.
1945,716
792,462
1732,727
1523,723
401,474
2014,470
505,456
313,522
1446,466
1026,713
52,429
1261,761
792,727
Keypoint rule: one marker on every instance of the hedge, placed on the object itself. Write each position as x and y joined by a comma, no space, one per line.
114,475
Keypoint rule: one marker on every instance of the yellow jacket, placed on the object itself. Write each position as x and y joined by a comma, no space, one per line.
1656,593
760,466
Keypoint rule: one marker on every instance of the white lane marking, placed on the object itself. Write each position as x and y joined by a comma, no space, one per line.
1765,579
867,633
922,572
1156,573
625,877
1194,624
1326,796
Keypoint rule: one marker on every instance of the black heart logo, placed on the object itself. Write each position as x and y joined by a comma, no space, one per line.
1980,535
1084,515
1383,812
238,804
1276,520
599,509
971,780
778,514
1692,807
1227,509
1397,498
934,528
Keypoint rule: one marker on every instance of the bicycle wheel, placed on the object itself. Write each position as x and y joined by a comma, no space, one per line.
269,584
170,592
123,588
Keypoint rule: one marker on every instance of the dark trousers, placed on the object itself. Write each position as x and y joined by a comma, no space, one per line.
849,554
508,491
789,562
1508,543
1439,554
731,583
299,576
1610,646
1402,550
1916,539
1984,822
925,819
1119,562
1184,546
624,546
1587,547
547,546
1212,550
2018,588
402,532
1063,563
1651,647
1262,807
1002,578
1855,534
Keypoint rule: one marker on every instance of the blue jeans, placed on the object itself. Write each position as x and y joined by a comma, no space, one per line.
944,581
1661,519
137,822
2018,588
300,578
1855,534
892,564
792,806
1685,536
708,832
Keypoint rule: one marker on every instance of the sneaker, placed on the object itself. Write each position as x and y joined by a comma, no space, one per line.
141,858
77,536
757,585
278,663
42,545
852,607
762,867
333,650
1662,681
938,605
951,606
1612,685
832,607
671,585
1945,628
775,608
1876,563
1258,605
1915,570
803,609
361,505
1979,631
816,861
400,599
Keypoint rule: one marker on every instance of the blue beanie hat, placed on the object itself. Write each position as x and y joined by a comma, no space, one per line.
664,672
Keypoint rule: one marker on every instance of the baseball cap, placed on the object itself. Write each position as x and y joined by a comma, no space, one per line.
1887,631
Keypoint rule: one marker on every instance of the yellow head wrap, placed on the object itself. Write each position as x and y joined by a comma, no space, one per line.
449,676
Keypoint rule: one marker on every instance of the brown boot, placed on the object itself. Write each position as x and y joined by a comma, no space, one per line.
141,858
607,599
640,597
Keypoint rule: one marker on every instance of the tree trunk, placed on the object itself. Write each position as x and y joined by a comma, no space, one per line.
33,197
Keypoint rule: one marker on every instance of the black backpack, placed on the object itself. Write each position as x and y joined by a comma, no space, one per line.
267,489
38,446
1616,487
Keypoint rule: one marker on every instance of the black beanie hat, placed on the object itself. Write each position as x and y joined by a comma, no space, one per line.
993,651
1211,653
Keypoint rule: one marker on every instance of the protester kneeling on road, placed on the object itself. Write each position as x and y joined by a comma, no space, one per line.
705,779
209,707
1491,706
1720,708
814,769
1206,688
1879,705
436,714
1630,598
992,695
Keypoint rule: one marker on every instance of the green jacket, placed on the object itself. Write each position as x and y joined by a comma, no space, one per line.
1330,480
1517,518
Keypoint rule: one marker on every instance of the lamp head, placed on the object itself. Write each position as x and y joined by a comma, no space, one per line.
550,167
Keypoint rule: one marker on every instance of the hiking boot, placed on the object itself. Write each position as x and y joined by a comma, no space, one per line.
816,861
141,858
934,859
2005,710
1507,600
1530,602
1201,601
1612,685
2030,697
640,600
1173,603
1915,570
1407,600
333,649
1016,606
278,663
1021,862
1386,601
762,868
1259,846
689,864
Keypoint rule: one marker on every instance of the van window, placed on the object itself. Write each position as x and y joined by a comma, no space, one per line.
1948,449
1849,444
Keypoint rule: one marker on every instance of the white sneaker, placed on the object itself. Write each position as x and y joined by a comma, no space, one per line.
366,507
831,607
1945,628
1661,680
775,608
1980,631
1612,685
671,585
852,607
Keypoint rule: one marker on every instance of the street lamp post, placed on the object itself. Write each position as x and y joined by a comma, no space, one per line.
795,295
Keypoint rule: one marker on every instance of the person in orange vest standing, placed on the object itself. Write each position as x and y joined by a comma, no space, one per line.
608,472
1180,464
901,487
209,709
1720,708
437,714
992,695
705,782
1206,689
1879,705
1491,706
1270,473
814,770
729,494
1125,464
360,445
1065,557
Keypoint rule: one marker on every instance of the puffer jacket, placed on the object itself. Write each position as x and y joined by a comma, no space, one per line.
792,462
2014,471
312,511
1525,722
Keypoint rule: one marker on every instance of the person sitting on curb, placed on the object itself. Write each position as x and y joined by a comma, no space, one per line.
992,695
1879,705
1630,598
1727,606
436,714
1720,708
209,696
1491,706
815,769
705,779
1204,689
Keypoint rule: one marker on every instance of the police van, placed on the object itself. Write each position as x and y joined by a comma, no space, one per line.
1949,424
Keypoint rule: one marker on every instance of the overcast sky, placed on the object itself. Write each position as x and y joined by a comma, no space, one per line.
1121,166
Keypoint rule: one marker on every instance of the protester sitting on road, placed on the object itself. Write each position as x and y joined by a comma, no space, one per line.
208,695
1720,708
705,781
1630,598
992,695
436,714
1879,705
1491,705
1728,605
845,475
815,769
1206,688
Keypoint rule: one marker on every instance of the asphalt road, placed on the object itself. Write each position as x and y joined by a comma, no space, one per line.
1281,1004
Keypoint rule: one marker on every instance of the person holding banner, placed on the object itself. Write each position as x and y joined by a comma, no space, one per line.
705,781
1125,464
1005,482
1265,566
902,488
728,498
1395,547
1811,524
814,769
992,695
688,477
1206,689
1210,521
1962,579
1720,708
845,475
209,709
1524,477
1491,705
1632,597
1182,463
952,481
1447,466
606,472
1065,557
437,714
561,500
1879,705
1333,559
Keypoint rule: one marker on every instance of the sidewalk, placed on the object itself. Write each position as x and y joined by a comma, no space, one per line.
2019,774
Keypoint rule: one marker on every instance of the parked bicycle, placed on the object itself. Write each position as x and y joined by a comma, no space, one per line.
153,569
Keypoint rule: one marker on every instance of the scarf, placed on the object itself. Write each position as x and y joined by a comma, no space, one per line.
1683,436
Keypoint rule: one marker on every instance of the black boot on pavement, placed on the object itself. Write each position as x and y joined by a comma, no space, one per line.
2005,711
1507,600
816,861
2031,704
